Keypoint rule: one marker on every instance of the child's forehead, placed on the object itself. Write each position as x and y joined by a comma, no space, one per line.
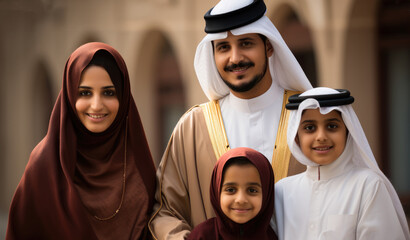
239,165
240,173
316,113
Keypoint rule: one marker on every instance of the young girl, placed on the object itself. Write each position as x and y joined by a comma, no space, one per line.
343,194
242,195
92,176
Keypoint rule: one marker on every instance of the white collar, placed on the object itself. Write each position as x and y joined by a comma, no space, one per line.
258,103
325,172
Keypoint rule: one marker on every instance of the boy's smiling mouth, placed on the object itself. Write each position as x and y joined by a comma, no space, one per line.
322,148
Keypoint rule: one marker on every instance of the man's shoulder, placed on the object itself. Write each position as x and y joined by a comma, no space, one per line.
194,115
193,112
198,110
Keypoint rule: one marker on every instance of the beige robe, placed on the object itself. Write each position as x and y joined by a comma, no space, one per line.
184,176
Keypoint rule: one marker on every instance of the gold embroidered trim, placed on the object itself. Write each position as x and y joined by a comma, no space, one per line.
281,152
216,129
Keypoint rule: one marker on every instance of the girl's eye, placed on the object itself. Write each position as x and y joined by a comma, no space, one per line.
230,190
253,190
109,93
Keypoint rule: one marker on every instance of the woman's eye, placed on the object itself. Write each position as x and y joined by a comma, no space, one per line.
109,93
85,93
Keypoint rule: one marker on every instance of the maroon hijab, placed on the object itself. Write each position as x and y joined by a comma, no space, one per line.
221,227
74,174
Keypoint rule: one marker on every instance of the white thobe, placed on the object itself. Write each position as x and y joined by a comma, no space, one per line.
346,203
253,122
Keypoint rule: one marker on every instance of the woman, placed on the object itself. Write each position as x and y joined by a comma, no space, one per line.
92,176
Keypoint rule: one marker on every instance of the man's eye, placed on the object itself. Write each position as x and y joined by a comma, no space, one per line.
222,48
246,44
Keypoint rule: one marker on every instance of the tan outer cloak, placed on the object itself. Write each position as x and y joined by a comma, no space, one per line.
183,178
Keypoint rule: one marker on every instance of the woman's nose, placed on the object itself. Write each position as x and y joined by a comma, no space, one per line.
96,103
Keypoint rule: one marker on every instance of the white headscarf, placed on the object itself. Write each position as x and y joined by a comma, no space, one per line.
284,68
357,144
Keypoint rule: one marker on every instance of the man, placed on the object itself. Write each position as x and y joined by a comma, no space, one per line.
246,70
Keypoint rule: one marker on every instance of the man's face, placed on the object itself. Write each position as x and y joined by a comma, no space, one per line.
242,63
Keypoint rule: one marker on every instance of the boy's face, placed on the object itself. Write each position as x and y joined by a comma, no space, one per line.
241,193
322,138
241,61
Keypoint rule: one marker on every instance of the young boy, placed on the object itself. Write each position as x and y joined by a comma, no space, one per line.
242,195
342,194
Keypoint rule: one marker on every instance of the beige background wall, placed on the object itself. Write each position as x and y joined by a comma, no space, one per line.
38,36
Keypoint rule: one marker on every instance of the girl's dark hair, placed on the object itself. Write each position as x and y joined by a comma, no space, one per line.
237,161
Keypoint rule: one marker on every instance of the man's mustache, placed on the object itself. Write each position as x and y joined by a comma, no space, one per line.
238,65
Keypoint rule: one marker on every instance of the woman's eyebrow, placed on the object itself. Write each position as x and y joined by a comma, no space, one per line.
112,86
106,87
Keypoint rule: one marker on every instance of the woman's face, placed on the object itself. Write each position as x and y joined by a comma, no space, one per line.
97,103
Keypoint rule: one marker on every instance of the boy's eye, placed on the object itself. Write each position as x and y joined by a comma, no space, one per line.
309,128
332,126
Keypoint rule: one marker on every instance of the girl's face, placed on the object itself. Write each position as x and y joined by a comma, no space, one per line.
97,103
241,193
322,138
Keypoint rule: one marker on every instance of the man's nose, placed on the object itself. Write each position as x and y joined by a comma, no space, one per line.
236,55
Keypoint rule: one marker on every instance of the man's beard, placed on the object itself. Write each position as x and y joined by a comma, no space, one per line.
244,87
